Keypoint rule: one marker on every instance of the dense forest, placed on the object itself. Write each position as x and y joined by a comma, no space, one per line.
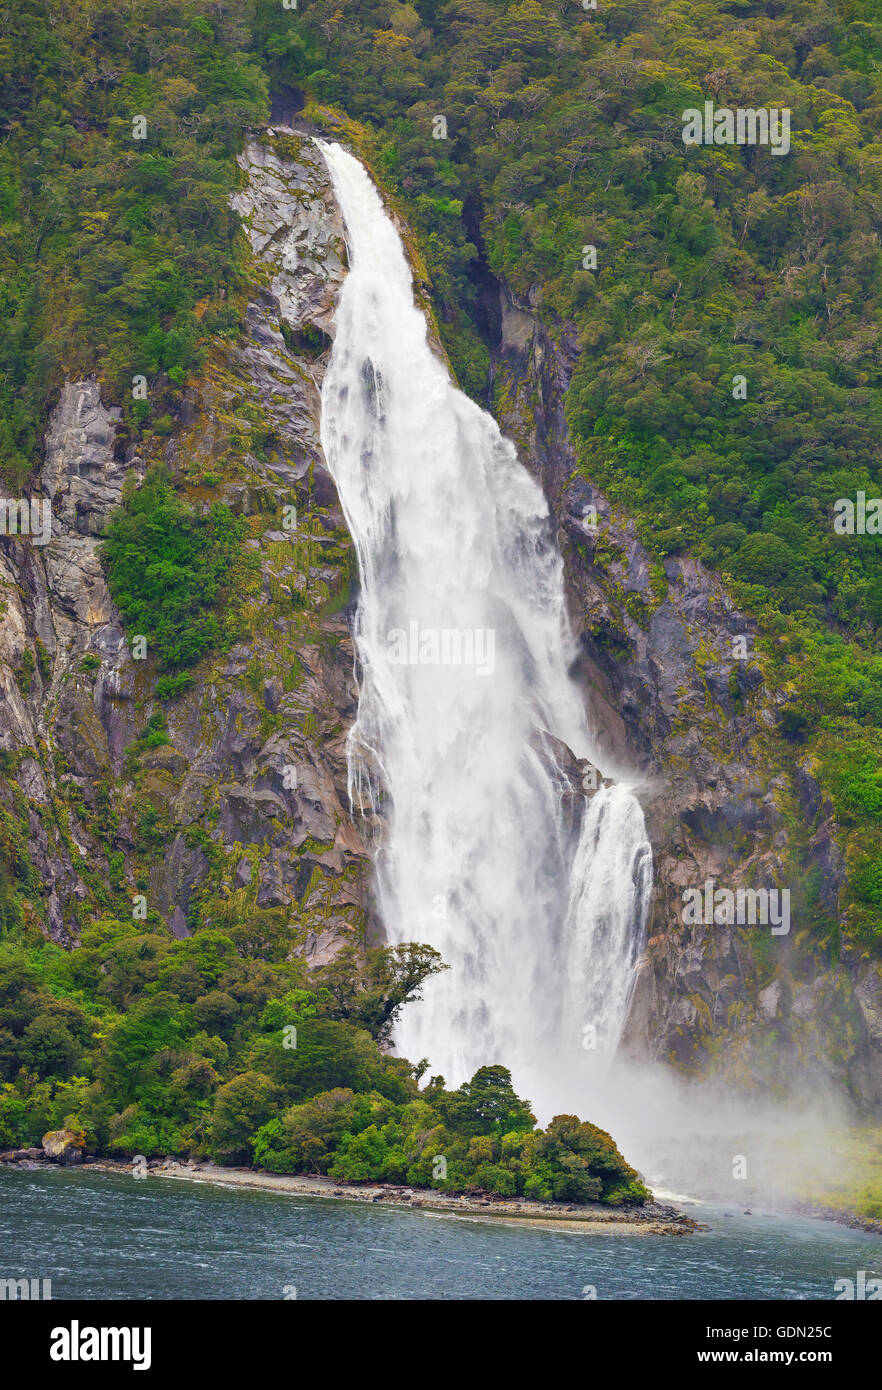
220,1047
726,308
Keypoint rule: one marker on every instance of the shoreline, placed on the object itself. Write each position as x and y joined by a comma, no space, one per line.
587,1218
658,1217
840,1216
591,1218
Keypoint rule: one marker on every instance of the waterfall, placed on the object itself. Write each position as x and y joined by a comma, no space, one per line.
459,752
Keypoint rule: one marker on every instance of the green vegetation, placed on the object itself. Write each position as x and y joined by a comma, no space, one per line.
24,672
713,264
117,254
171,571
216,1047
563,131
120,256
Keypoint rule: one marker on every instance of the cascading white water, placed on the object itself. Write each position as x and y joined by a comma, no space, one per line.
477,856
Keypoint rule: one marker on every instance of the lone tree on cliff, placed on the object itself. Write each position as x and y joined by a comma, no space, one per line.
370,988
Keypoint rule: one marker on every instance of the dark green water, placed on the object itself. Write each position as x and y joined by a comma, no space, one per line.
111,1236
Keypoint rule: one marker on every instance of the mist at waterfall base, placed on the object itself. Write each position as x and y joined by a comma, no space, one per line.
460,771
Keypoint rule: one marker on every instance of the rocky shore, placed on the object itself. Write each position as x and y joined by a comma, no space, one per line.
652,1218
842,1216
66,1148
590,1218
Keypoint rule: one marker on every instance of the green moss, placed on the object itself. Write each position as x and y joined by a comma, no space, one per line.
24,671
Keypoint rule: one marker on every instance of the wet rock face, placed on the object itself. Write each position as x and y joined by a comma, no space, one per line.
57,611
679,705
294,225
296,232
248,797
82,482
80,473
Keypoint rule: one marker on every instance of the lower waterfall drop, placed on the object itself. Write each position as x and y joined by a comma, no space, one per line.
463,648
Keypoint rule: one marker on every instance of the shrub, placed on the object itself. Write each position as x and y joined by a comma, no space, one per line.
170,570
241,1107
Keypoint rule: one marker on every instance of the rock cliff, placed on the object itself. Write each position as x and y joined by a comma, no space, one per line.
243,811
677,691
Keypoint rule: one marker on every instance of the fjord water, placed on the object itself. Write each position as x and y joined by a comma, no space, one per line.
461,764
103,1235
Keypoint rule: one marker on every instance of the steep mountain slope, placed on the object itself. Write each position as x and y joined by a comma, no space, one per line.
726,799
730,640
229,799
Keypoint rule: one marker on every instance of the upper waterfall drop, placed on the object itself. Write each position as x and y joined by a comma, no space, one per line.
540,924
